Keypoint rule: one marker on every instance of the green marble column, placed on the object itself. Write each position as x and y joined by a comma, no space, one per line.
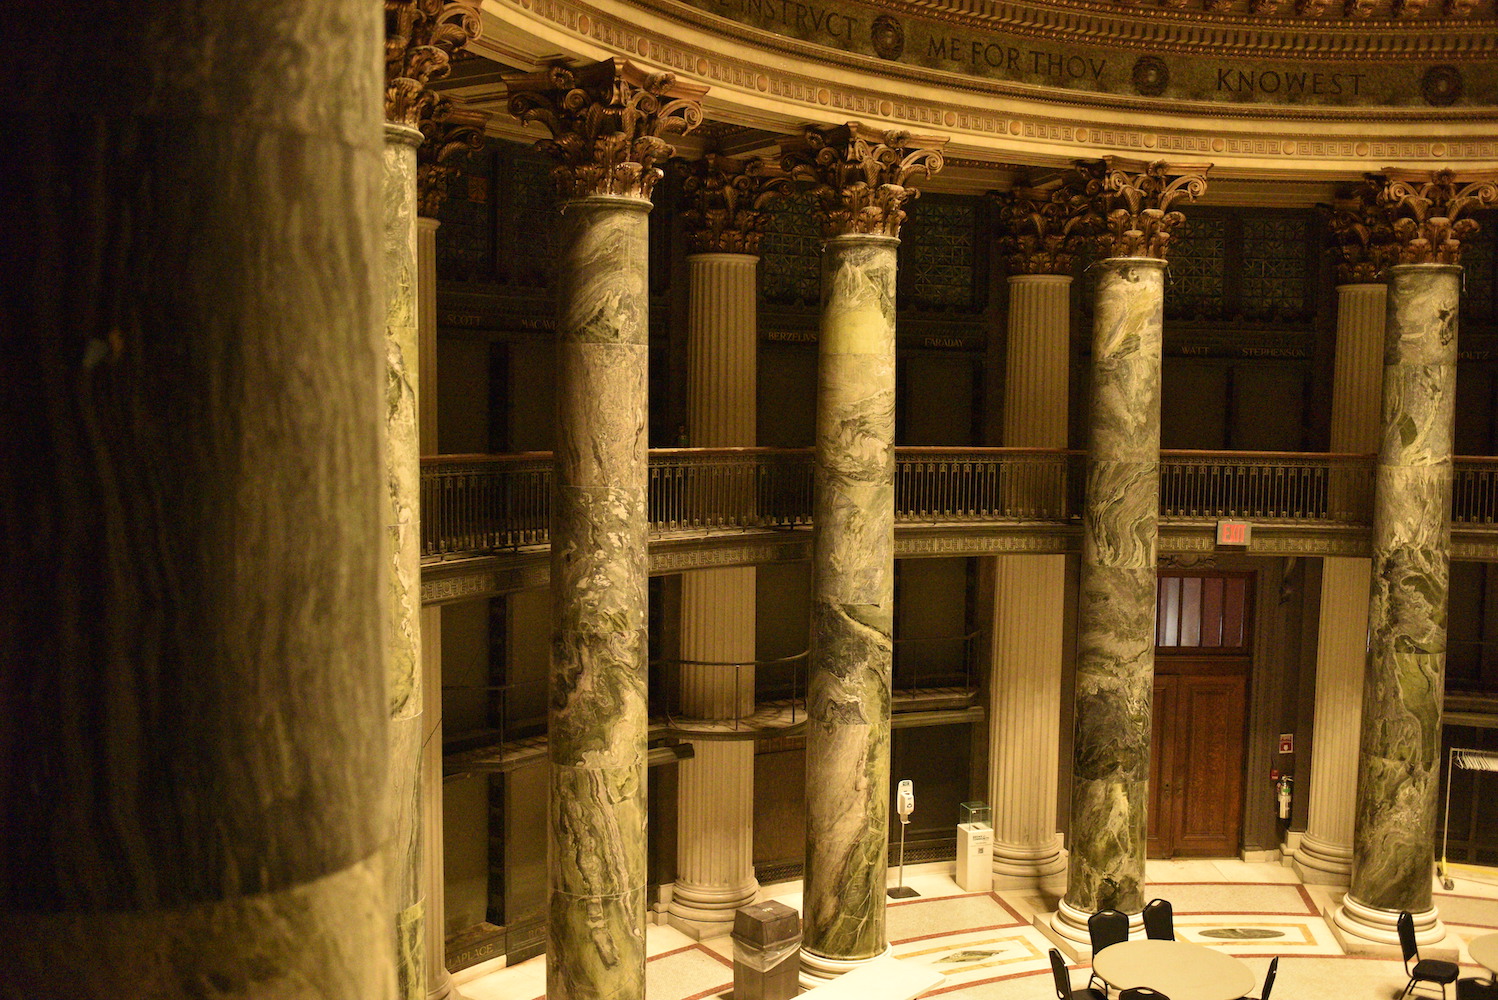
1399,758
1116,603
848,695
860,176
596,932
403,554
192,576
605,119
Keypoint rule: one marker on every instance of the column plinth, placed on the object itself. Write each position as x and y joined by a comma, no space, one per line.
403,472
597,721
1116,603
1399,759
851,654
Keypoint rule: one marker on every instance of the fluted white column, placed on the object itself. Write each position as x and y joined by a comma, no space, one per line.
1036,363
1324,855
439,982
715,790
1024,709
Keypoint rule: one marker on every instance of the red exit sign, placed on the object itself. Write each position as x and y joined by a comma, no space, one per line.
1234,532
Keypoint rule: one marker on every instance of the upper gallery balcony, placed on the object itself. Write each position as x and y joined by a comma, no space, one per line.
486,518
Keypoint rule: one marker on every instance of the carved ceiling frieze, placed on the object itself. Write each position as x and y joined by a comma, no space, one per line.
991,115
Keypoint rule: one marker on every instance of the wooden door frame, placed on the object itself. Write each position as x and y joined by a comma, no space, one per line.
1237,661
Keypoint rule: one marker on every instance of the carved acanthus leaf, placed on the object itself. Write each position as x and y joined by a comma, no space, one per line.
450,130
1132,211
606,121
1361,236
862,175
1046,226
1425,212
421,37
727,201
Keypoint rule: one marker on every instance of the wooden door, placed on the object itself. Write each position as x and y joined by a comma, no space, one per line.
1196,761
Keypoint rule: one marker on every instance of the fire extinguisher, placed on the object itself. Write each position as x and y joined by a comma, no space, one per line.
1282,788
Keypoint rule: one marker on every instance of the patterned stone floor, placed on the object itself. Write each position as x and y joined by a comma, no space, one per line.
986,946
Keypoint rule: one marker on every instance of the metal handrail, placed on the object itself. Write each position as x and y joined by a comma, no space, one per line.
478,503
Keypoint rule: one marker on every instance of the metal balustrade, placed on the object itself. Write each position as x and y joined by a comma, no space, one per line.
481,503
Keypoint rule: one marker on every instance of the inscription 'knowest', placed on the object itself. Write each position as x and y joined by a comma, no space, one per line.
1269,81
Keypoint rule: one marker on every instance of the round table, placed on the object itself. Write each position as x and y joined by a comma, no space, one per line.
1179,970
1484,951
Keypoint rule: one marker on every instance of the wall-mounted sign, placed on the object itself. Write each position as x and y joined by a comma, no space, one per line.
1234,532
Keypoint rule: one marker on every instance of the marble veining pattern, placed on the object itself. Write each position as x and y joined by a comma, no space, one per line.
596,835
848,701
403,475
1116,603
1404,679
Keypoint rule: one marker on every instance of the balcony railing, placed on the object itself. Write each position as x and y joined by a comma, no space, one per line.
479,503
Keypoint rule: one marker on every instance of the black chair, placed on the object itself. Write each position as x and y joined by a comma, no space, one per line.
1064,990
1142,993
1159,920
1274,968
1106,927
1476,989
1426,970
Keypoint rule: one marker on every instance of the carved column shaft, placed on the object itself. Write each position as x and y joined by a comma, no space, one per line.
1116,600
605,120
597,721
860,176
715,790
851,653
1398,766
403,538
421,38
1324,854
1025,683
191,578
1400,744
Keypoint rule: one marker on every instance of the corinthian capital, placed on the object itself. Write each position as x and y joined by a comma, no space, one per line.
1046,225
1424,211
726,201
1361,236
606,121
420,39
862,175
450,130
1132,211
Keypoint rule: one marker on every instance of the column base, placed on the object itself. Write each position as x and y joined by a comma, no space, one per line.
701,911
1319,862
1018,866
819,970
1070,924
445,990
1365,930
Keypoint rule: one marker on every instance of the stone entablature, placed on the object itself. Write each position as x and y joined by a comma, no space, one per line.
776,82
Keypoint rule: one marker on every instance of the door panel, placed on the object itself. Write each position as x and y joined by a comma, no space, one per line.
1196,757
1209,721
